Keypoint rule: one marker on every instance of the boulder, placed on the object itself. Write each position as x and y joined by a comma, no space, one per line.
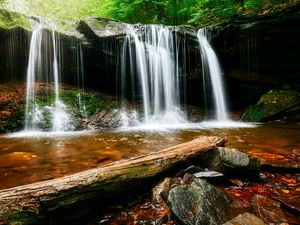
231,162
274,105
198,203
245,219
94,28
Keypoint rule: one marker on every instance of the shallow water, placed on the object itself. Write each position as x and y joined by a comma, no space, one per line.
25,160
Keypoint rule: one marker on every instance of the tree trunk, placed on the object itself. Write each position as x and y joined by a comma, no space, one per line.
49,201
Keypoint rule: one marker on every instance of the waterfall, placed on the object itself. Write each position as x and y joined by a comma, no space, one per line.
33,115
154,58
37,71
211,64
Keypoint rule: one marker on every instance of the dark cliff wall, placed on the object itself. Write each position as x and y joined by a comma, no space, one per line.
259,54
14,51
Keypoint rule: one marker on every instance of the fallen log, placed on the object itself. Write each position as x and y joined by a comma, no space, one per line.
44,202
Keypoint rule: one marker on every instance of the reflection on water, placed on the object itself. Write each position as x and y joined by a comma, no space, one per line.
25,160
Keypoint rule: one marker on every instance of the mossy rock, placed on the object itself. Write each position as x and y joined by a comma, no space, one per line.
272,104
198,203
10,20
255,114
277,100
231,162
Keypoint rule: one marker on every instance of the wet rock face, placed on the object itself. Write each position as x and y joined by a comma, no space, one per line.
245,219
231,162
258,55
198,203
14,52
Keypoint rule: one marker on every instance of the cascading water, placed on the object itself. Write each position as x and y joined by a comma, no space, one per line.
153,56
35,72
211,64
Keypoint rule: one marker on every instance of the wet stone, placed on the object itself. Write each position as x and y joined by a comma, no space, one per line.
191,169
245,219
198,203
268,209
231,162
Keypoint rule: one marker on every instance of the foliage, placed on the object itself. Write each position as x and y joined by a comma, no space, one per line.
171,12
9,20
193,12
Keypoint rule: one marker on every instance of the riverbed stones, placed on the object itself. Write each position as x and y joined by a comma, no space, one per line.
245,219
198,203
231,162
268,209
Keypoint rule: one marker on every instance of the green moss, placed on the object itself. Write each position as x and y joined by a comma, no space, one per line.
277,100
271,103
15,122
93,103
9,20
255,114
81,106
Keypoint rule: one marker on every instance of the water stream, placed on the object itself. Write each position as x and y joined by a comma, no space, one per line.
212,66
42,69
153,56
28,159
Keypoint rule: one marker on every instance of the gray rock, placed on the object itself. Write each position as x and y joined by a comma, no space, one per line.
245,219
198,203
104,119
94,28
211,176
231,162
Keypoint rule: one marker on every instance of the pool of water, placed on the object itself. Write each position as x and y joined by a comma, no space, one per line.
26,159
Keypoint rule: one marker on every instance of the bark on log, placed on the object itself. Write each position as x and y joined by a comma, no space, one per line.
44,202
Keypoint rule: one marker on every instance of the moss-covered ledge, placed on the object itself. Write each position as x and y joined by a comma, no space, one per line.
11,20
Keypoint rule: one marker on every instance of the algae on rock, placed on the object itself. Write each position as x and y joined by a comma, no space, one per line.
275,102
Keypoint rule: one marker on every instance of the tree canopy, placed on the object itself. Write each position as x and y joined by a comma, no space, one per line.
171,12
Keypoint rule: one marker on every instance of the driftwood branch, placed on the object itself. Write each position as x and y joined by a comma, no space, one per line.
46,201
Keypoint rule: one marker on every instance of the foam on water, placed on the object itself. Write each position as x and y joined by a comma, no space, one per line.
167,127
51,134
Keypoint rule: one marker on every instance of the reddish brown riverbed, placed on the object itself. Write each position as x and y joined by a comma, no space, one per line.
26,160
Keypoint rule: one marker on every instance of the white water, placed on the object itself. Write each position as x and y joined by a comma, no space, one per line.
35,72
157,69
32,111
210,61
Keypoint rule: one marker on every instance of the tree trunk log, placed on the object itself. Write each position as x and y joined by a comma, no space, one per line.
44,202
